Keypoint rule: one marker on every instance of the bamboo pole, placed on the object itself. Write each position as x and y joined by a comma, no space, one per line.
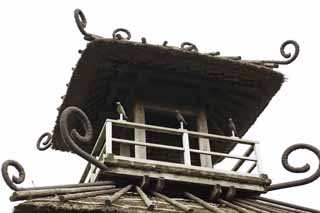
100,183
145,199
247,206
24,195
203,203
117,195
173,202
238,208
256,205
86,194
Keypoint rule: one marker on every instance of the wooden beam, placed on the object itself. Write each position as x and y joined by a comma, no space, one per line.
215,193
233,206
203,203
240,162
204,143
23,195
160,184
145,183
150,205
117,195
86,194
173,202
139,134
231,192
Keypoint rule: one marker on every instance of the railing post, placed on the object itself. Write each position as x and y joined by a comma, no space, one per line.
108,137
258,157
186,154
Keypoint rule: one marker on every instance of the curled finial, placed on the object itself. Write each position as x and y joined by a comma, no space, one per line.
302,169
81,22
189,46
44,145
290,57
69,139
15,180
116,34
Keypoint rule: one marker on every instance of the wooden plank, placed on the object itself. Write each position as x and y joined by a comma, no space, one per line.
139,134
222,139
147,144
223,155
128,173
240,162
172,167
204,143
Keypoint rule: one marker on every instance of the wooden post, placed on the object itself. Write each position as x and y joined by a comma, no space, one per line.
108,137
186,146
258,157
204,143
139,134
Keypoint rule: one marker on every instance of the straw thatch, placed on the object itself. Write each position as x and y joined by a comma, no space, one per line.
132,203
111,70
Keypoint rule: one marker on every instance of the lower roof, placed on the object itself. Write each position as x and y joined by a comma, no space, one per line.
131,202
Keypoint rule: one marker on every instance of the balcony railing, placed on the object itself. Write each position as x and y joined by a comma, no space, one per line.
105,142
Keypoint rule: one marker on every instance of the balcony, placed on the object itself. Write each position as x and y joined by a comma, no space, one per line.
184,172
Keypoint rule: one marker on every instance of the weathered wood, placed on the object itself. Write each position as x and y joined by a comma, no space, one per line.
240,162
117,195
139,134
24,195
250,207
215,193
259,160
147,144
204,143
86,194
278,207
233,206
186,146
173,202
160,184
192,174
203,203
223,155
259,206
145,183
231,192
252,167
150,205
222,139
108,137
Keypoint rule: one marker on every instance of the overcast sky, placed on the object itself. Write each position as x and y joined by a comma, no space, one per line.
39,42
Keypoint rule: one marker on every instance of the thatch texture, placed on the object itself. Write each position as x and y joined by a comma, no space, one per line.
131,202
111,70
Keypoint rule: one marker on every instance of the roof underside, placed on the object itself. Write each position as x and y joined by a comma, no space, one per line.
109,69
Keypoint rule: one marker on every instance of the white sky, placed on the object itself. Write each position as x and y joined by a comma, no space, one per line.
39,41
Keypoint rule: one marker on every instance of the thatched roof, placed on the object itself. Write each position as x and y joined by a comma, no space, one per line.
109,69
131,202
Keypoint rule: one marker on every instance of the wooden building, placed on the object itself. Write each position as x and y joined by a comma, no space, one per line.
144,157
